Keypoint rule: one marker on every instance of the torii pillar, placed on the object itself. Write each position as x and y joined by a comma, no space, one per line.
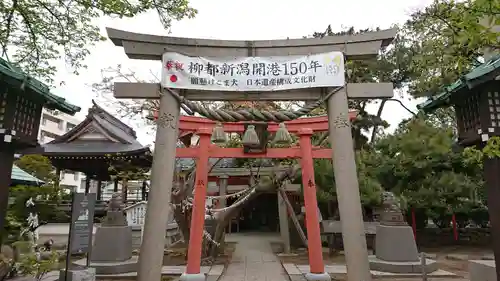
150,47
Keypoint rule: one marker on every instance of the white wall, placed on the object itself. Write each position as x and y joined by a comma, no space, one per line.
55,123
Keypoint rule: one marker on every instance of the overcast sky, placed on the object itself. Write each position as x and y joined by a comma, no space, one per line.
238,20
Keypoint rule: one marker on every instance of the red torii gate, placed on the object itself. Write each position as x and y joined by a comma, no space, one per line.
191,125
304,127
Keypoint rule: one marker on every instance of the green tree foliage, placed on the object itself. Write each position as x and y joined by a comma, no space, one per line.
45,199
370,187
47,196
31,264
38,166
447,39
389,66
35,33
419,163
44,206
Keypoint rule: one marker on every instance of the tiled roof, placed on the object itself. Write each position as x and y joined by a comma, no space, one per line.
124,137
19,176
479,75
14,76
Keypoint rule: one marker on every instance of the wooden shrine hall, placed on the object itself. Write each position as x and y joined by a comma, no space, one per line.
99,142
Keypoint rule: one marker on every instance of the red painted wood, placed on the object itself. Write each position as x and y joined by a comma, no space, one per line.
198,213
310,202
414,223
277,153
317,124
455,230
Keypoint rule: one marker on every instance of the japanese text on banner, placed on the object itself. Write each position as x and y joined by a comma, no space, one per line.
253,73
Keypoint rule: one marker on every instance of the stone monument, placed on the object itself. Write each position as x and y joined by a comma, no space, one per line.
115,215
113,239
395,246
112,249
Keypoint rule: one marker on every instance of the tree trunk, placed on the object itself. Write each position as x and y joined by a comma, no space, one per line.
293,216
379,114
224,218
181,218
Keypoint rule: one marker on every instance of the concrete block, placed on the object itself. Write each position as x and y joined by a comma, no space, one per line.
293,272
401,267
112,244
117,267
482,270
87,274
297,277
193,277
317,277
216,270
291,269
396,244
457,257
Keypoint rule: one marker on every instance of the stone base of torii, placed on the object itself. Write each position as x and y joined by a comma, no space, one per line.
142,46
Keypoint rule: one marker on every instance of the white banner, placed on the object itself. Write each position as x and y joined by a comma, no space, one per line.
253,73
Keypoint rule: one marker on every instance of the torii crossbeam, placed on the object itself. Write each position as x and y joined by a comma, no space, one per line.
188,124
329,86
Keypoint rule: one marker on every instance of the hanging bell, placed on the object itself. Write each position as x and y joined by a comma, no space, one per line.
250,138
153,116
218,134
282,135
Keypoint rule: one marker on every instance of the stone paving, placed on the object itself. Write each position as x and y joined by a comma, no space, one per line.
253,259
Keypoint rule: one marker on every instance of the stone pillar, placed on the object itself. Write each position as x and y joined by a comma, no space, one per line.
162,176
317,266
223,190
346,181
198,215
283,218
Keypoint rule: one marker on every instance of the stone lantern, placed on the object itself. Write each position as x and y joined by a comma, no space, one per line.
476,100
21,101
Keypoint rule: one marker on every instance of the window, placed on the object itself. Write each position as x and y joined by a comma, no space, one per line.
75,176
52,121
